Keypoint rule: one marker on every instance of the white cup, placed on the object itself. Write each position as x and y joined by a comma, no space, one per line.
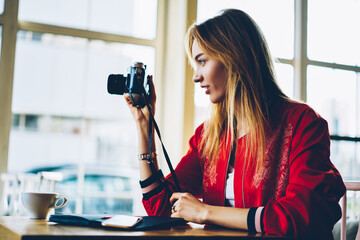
38,204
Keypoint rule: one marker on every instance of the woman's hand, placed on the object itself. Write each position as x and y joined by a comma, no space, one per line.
188,207
142,115
191,209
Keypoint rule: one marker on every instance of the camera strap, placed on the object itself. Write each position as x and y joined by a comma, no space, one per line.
153,169
152,166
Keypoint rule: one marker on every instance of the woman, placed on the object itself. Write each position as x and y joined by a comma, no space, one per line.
261,162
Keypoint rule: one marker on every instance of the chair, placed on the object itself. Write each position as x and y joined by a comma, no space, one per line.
10,188
350,186
14,184
48,181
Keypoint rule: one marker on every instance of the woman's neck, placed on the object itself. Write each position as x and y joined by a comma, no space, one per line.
242,130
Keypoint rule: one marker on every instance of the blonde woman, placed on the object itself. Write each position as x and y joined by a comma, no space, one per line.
261,162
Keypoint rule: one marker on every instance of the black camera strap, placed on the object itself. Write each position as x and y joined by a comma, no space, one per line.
153,169
152,166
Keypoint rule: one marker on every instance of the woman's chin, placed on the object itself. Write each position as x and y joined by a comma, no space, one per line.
216,99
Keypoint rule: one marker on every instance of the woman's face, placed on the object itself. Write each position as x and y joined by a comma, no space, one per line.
210,73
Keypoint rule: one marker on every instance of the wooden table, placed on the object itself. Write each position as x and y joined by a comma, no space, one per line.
24,228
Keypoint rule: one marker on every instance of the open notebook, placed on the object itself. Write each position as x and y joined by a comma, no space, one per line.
89,220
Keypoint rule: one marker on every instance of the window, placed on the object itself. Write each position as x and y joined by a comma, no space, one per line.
331,84
0,41
130,18
333,52
63,119
63,92
339,105
328,38
1,6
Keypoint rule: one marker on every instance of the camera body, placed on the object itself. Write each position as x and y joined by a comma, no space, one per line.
133,84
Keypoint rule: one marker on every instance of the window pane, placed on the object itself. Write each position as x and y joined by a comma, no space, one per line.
106,58
0,41
285,78
101,185
61,106
335,95
2,6
74,73
135,18
346,157
333,31
53,84
109,205
275,18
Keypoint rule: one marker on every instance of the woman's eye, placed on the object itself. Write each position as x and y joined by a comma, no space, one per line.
201,62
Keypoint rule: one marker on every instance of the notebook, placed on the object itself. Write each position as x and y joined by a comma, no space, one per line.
91,220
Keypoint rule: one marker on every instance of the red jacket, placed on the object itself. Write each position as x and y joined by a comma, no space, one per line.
299,187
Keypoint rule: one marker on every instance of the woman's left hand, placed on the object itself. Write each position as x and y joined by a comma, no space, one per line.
188,207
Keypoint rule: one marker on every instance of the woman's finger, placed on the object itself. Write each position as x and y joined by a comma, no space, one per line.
128,99
151,85
174,197
152,90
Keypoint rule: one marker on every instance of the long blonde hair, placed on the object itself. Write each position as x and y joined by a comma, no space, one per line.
236,41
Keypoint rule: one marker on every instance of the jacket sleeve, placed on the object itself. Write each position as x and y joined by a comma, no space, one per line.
189,175
310,206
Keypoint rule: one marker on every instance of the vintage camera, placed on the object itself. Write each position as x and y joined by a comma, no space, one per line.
133,84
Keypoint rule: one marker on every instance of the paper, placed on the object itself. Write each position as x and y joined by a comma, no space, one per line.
121,221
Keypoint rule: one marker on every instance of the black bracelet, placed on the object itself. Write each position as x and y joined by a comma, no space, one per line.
150,180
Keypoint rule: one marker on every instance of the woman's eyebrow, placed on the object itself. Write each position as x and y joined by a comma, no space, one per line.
197,56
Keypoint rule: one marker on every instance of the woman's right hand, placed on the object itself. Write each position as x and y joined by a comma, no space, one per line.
142,115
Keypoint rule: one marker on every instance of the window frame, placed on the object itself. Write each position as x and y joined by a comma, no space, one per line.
11,26
301,61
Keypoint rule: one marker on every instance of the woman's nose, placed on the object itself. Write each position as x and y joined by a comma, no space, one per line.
197,77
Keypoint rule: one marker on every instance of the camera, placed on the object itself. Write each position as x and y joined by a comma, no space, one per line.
133,83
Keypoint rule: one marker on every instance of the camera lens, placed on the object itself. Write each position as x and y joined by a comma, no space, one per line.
116,84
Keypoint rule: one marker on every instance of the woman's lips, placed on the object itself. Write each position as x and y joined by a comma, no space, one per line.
207,89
